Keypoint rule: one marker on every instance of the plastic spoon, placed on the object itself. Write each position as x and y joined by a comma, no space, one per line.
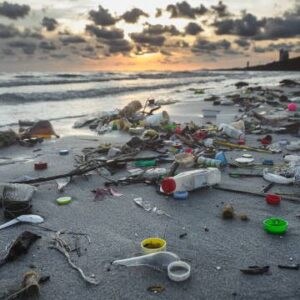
159,260
35,219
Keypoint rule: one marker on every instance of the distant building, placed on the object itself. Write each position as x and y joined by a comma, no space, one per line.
284,55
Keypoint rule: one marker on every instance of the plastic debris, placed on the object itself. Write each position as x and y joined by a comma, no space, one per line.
177,269
33,219
275,178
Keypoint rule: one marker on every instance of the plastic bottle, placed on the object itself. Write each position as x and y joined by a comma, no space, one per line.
191,180
208,162
155,173
232,132
221,156
157,119
297,175
145,163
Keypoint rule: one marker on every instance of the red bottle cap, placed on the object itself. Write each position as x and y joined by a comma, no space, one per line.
168,185
40,166
273,199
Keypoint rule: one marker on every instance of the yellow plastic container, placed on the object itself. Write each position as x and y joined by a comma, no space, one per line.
153,245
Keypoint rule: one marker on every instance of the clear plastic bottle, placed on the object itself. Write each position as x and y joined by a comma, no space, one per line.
232,132
191,180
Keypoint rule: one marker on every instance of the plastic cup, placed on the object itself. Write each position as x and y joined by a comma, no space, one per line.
275,225
153,245
273,199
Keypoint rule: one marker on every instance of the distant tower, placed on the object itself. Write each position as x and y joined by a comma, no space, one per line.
283,55
248,64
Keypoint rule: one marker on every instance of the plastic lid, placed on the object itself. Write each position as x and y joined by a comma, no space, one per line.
64,200
168,185
179,271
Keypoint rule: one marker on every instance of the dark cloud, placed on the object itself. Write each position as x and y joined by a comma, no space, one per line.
72,39
193,29
206,46
247,26
184,10
27,33
276,28
8,31
113,38
103,33
287,26
119,46
8,52
13,11
49,23
26,46
160,29
133,15
102,17
59,55
293,47
47,45
158,13
243,43
145,38
221,10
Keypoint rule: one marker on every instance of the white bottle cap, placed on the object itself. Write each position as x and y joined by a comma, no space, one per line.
182,273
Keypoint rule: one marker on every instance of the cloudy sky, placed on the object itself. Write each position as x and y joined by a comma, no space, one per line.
131,35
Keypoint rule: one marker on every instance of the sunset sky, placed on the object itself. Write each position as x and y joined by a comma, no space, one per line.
128,35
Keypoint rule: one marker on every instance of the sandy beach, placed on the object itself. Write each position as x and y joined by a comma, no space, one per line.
215,248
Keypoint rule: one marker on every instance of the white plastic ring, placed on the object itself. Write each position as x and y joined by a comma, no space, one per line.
185,271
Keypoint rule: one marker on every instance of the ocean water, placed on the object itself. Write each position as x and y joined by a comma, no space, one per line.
64,97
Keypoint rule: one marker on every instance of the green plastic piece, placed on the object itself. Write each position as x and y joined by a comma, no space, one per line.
145,163
63,200
275,226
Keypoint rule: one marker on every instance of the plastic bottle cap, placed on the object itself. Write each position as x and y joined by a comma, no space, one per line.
273,199
275,225
64,200
181,195
168,185
292,107
153,245
40,166
179,271
64,152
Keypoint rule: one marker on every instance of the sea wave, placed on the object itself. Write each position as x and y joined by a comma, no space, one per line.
14,98
59,79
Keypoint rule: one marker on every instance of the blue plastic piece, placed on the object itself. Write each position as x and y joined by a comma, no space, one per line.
221,156
181,195
268,162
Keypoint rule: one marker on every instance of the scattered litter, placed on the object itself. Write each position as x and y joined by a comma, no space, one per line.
290,267
153,245
255,270
228,212
275,226
19,247
62,183
177,269
148,207
63,200
156,289
33,219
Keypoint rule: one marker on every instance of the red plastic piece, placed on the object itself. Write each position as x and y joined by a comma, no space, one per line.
267,140
40,166
168,185
273,199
